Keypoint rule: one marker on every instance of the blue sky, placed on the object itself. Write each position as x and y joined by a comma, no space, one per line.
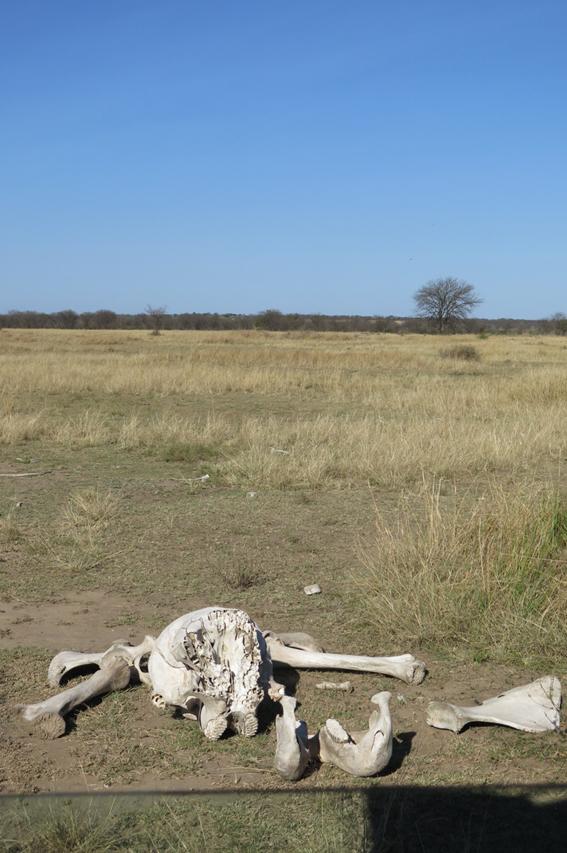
305,155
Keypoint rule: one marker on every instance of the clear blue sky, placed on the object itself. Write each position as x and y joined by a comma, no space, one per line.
309,155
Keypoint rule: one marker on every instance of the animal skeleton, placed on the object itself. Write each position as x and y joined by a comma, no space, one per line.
217,666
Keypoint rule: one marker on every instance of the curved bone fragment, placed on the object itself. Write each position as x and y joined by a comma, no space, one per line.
294,748
360,753
49,715
531,708
404,667
65,662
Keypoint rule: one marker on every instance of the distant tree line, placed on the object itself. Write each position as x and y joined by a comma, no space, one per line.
273,320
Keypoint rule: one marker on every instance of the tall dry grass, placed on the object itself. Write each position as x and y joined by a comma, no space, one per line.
488,571
347,408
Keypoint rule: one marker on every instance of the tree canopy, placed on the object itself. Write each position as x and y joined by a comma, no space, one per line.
446,300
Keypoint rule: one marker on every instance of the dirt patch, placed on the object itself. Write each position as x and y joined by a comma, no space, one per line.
85,621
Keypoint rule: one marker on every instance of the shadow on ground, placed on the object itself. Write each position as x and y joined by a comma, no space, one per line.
371,818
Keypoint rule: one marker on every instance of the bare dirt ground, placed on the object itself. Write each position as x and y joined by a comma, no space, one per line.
169,547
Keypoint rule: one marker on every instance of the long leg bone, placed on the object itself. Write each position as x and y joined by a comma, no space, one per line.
49,715
294,748
531,708
360,753
405,667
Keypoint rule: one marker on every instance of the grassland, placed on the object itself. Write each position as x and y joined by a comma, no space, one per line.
422,490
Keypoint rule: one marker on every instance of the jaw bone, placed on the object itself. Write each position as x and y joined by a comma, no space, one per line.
360,753
404,667
49,715
294,748
531,708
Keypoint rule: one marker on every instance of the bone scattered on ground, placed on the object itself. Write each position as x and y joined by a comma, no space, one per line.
215,665
312,589
531,708
335,685
49,715
28,474
404,667
360,753
294,749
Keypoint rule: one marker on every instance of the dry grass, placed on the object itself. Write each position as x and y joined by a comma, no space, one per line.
82,534
9,530
487,572
349,408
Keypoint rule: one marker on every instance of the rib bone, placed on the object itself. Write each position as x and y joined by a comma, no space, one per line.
49,715
360,753
404,667
531,708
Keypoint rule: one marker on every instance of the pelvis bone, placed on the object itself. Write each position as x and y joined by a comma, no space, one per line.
531,708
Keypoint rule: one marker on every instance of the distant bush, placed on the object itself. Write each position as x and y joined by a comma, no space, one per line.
463,352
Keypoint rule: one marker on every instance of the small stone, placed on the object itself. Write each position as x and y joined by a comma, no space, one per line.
313,589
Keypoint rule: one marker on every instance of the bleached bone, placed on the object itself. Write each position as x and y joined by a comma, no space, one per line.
49,715
297,640
405,667
335,685
65,662
360,753
213,654
531,708
294,749
215,664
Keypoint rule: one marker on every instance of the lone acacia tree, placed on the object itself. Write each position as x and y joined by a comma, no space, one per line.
155,317
445,300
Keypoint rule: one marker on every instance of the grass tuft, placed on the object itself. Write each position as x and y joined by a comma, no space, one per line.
487,573
462,352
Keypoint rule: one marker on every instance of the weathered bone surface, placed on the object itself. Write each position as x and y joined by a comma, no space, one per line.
404,667
49,715
213,654
295,749
360,753
531,708
297,640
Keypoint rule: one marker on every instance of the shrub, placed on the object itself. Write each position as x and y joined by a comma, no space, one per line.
462,352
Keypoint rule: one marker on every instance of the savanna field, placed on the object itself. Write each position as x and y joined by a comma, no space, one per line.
421,481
